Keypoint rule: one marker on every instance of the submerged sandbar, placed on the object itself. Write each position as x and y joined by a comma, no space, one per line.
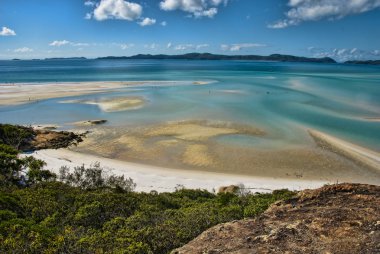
113,104
195,145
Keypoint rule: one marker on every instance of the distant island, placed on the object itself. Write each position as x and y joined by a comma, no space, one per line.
368,62
209,56
66,58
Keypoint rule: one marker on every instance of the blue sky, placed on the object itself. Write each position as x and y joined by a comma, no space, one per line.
342,29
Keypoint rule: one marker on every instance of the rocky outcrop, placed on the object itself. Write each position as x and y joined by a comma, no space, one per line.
46,139
27,138
342,218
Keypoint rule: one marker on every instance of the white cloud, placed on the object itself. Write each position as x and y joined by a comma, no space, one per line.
59,43
89,3
117,9
88,16
224,47
151,46
147,22
65,42
5,31
189,46
79,44
199,46
197,8
184,47
345,54
240,46
169,45
23,50
311,10
164,23
126,46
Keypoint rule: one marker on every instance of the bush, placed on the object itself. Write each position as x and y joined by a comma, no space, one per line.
94,177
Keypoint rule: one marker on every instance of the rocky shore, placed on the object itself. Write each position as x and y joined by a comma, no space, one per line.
27,138
47,139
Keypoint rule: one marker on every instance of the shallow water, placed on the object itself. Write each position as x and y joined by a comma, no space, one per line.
281,98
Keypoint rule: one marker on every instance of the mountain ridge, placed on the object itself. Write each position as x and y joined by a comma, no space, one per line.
209,56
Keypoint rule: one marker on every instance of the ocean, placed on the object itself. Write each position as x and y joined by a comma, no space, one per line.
284,99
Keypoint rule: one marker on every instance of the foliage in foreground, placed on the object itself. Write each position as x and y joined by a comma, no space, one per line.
88,211
53,217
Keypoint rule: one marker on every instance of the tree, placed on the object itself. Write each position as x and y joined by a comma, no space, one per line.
15,136
21,171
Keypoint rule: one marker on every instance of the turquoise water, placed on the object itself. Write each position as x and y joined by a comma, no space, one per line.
282,98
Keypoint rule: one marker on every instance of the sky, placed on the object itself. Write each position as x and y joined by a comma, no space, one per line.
341,29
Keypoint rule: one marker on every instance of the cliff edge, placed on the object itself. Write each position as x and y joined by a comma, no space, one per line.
342,218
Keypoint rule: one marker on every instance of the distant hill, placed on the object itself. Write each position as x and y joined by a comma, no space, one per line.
208,56
370,62
66,58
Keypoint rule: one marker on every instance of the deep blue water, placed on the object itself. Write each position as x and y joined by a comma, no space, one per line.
283,98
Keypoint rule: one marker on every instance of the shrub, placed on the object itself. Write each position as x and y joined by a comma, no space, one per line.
94,177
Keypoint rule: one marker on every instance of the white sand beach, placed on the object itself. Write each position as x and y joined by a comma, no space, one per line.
150,178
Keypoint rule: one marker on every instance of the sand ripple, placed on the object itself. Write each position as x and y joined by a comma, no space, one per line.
198,155
194,130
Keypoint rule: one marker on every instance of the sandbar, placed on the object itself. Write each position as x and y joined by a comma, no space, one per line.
113,104
356,153
20,93
200,130
34,92
372,119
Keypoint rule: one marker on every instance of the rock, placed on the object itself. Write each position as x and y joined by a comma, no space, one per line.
96,122
342,218
47,139
228,189
90,122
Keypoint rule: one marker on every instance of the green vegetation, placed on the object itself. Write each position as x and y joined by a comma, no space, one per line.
86,210
15,136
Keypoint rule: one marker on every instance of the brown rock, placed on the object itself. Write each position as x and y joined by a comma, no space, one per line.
47,139
342,218
228,189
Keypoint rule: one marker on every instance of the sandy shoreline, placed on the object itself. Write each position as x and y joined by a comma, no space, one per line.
150,178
